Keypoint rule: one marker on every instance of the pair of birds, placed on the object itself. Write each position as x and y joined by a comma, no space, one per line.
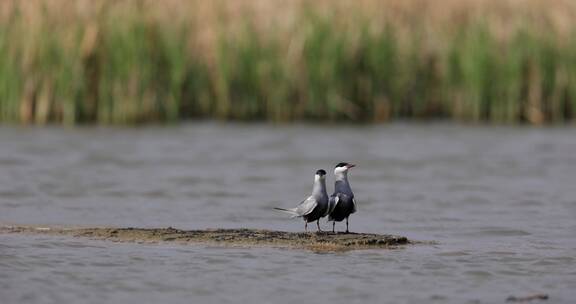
337,207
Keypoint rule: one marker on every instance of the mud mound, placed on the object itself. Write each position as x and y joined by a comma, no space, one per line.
323,241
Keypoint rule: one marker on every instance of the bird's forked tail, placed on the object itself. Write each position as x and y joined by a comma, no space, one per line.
292,211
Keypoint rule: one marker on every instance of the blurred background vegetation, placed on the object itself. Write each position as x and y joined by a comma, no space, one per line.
139,61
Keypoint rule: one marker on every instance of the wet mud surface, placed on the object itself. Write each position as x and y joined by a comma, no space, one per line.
326,241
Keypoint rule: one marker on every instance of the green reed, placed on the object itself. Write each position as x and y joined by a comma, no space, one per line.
136,69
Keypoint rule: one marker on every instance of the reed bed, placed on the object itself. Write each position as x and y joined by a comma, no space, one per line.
138,61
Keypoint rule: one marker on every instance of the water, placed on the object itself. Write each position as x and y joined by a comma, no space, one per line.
499,201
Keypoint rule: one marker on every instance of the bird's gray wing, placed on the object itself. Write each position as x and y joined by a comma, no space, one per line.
332,203
353,205
307,206
334,199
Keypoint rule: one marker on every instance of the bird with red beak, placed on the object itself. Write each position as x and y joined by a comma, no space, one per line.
342,202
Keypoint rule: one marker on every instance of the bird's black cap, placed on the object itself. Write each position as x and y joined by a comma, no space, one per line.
321,172
341,165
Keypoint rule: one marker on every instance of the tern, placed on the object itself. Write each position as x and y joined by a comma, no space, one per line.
315,206
342,202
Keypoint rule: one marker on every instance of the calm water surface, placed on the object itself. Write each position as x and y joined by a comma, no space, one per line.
500,202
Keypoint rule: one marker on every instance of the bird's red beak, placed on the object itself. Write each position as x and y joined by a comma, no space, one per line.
350,166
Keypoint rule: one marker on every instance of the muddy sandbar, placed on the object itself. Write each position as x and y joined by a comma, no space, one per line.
327,241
